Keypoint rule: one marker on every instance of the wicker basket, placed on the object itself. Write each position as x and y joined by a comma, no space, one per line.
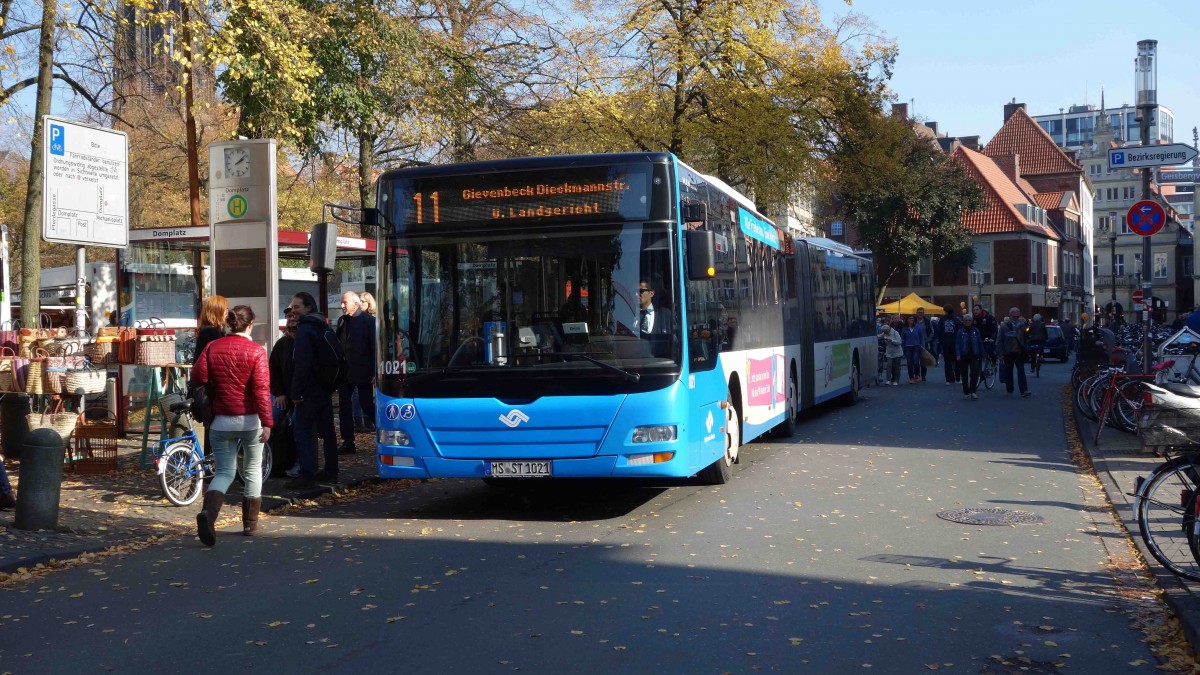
63,423
94,448
84,381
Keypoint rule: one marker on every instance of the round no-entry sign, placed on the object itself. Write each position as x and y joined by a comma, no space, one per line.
1146,217
1138,295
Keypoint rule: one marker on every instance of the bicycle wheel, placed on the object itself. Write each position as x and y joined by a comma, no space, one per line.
988,376
267,461
1165,508
1127,408
1096,393
1083,397
182,479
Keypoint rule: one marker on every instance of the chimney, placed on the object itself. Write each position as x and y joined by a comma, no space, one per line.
972,142
932,127
900,110
1015,168
1010,108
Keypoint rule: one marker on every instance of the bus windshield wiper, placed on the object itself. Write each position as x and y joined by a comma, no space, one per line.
629,376
424,374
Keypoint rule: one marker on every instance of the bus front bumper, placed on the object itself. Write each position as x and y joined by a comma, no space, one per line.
604,466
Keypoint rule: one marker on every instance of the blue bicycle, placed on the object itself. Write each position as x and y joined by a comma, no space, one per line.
181,463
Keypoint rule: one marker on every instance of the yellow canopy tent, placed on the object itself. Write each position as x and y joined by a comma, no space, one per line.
909,304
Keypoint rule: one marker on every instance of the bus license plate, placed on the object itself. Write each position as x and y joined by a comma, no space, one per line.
518,469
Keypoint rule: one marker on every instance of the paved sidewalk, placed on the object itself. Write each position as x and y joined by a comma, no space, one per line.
1119,461
100,511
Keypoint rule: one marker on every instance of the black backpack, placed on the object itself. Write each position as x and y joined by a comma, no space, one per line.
332,368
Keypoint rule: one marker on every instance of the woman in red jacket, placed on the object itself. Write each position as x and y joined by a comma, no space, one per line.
235,370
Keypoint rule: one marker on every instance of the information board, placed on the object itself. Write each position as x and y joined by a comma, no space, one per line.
238,273
84,184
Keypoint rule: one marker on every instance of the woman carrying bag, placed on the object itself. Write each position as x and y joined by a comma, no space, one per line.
235,370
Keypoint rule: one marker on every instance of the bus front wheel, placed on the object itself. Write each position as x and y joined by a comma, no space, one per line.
720,472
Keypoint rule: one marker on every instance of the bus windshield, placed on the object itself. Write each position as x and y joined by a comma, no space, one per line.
529,312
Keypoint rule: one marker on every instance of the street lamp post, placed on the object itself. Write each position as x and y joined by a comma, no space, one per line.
1112,240
1145,78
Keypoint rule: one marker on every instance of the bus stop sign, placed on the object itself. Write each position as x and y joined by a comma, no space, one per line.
1146,218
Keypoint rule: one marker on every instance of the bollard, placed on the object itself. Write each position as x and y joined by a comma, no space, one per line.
41,481
13,408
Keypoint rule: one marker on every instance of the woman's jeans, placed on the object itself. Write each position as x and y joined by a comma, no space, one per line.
893,368
225,449
912,354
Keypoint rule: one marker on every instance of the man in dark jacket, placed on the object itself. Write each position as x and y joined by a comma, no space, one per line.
988,328
947,332
356,330
314,408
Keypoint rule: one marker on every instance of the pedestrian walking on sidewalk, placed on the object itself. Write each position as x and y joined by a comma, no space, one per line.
948,337
913,338
235,369
1012,341
968,347
893,353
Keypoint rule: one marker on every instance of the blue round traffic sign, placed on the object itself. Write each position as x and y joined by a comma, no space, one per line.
1146,217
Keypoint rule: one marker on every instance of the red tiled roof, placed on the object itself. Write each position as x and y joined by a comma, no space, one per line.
1049,200
1000,194
1038,152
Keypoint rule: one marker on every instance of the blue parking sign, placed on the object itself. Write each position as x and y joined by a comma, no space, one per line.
1116,158
58,139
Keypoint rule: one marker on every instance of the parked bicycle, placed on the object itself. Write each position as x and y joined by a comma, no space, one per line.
180,461
1165,502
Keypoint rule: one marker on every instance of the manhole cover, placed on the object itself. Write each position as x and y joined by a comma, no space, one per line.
991,517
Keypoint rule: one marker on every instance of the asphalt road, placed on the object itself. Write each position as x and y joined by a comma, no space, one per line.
825,554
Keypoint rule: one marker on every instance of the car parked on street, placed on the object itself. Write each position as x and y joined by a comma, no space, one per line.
1056,345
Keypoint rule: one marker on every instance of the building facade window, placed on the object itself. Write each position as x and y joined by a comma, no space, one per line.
1160,265
1119,265
835,228
923,275
1187,270
1124,226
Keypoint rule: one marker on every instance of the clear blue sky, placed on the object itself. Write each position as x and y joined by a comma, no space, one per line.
961,60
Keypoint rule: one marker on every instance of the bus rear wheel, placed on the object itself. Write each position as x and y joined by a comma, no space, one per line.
787,428
720,472
853,396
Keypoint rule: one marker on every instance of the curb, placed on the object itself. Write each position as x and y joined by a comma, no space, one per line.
1176,593
270,503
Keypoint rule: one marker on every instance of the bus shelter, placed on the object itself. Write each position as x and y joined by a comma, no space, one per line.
165,273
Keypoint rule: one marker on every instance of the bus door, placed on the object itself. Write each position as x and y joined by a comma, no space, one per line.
805,289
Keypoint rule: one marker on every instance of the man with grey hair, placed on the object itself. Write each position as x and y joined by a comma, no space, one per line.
356,330
1014,347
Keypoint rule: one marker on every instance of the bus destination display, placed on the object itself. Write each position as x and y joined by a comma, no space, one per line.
586,194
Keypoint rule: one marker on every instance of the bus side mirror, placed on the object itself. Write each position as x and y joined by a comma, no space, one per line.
695,212
322,248
701,249
370,217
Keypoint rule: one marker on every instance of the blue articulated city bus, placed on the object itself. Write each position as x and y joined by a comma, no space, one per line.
616,315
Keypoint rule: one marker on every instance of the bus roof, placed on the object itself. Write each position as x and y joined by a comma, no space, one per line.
530,163
835,246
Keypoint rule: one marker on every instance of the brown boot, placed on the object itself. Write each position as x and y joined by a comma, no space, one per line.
206,520
250,508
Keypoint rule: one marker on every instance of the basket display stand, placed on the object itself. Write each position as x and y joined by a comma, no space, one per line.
168,382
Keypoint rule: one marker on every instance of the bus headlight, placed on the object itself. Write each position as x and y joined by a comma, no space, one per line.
393,437
656,434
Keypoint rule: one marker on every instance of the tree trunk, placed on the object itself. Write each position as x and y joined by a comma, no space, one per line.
193,152
31,230
366,171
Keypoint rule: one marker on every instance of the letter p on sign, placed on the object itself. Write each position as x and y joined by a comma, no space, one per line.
58,139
